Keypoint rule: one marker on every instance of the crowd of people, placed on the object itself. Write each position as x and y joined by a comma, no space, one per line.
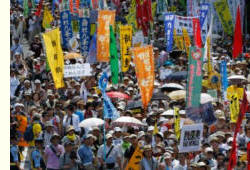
45,122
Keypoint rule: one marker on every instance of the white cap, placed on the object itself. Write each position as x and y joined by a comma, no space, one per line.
141,134
37,81
209,149
117,129
150,128
108,136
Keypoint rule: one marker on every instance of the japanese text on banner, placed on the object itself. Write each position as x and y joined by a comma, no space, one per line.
105,18
125,45
144,66
54,55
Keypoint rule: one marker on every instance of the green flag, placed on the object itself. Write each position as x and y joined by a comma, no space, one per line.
26,8
33,4
114,65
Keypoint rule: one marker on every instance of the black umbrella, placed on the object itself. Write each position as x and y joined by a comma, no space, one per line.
133,105
180,75
160,96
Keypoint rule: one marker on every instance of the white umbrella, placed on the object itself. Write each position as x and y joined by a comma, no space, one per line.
237,77
127,121
91,122
205,98
168,113
173,85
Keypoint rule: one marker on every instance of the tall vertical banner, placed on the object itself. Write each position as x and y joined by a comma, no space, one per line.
223,12
161,6
47,18
178,40
177,120
144,67
105,18
74,6
66,28
187,40
224,81
125,45
169,30
204,11
197,32
84,31
108,108
237,44
114,63
54,55
194,76
131,17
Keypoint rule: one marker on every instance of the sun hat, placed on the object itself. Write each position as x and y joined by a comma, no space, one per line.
69,128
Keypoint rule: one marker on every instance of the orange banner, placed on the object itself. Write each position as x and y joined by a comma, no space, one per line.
105,18
144,67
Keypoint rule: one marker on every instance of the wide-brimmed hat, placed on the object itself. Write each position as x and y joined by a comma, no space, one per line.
147,148
70,128
55,135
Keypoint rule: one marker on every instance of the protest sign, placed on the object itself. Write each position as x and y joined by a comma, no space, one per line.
144,67
54,55
105,19
77,70
223,12
84,31
125,44
169,21
66,28
194,76
191,136
134,162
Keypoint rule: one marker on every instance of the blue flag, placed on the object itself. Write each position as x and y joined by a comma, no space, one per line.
204,8
103,81
92,51
66,28
84,32
224,81
108,108
169,30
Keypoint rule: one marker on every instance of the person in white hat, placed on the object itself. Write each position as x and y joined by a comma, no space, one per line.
148,161
117,136
110,157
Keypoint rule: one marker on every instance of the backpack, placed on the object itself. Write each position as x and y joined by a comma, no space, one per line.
28,134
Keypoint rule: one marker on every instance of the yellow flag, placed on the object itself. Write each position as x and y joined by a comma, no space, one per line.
177,120
178,40
54,54
187,40
209,66
232,90
125,45
234,107
155,129
47,18
134,162
131,17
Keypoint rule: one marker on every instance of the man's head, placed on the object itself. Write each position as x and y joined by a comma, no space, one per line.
109,139
55,139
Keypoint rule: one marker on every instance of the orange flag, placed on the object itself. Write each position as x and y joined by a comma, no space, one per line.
144,67
105,18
